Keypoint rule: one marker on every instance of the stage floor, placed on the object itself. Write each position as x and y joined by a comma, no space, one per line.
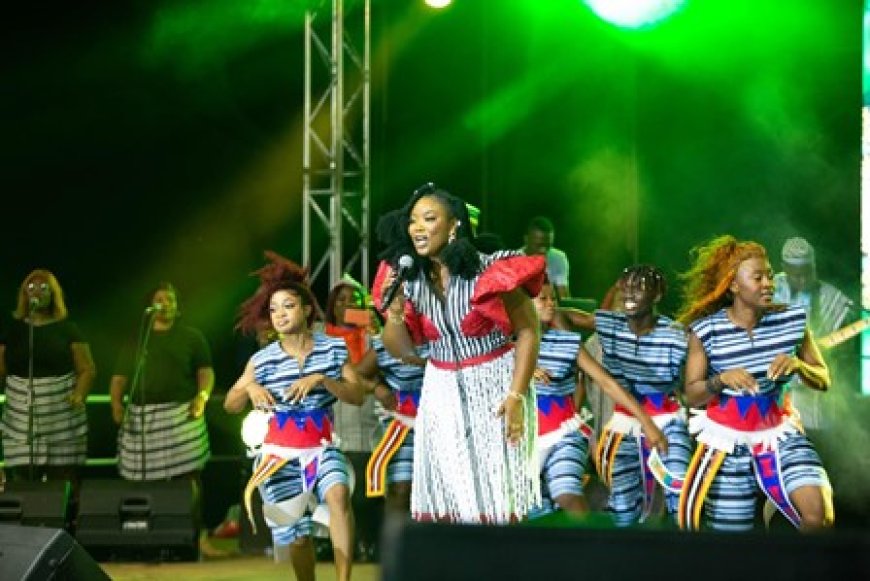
241,568
232,567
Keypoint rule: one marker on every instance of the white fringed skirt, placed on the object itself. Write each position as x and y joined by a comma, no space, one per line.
465,470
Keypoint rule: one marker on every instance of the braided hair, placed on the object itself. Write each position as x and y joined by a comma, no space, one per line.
647,275
461,256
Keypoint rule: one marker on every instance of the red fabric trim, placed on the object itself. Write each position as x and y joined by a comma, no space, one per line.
559,412
427,328
750,421
503,275
669,406
428,517
406,404
418,325
380,275
453,366
290,436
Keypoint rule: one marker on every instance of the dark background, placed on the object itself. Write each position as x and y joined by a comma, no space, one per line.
145,141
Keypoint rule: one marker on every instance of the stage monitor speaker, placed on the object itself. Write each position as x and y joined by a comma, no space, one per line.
44,554
141,521
44,504
424,552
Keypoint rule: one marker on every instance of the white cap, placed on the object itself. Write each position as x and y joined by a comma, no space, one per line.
798,252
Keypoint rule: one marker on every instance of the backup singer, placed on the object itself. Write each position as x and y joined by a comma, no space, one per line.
163,433
45,433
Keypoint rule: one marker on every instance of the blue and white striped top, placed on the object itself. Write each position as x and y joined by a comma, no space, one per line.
558,356
397,375
642,364
731,347
452,345
276,371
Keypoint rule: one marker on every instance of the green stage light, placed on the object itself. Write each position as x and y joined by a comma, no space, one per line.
438,3
634,13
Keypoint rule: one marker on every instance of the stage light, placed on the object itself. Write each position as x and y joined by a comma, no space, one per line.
634,13
438,3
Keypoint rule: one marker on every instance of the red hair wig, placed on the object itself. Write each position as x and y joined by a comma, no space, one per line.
707,282
279,274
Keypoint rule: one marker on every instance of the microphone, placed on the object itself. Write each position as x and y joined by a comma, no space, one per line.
155,308
405,264
34,303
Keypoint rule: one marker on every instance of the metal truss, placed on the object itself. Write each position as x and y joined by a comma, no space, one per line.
336,162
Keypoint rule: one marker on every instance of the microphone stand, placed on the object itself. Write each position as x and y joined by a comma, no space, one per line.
137,387
31,395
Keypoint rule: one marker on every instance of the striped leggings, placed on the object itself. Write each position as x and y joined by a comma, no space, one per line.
626,493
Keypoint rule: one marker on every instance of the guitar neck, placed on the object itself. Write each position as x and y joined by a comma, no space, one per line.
843,334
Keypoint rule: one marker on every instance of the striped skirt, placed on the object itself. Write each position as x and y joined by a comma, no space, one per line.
464,468
60,431
174,443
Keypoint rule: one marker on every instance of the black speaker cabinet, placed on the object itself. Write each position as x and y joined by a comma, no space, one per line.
44,554
44,504
424,552
140,521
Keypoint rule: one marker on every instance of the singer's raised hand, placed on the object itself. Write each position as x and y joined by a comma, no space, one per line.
394,281
397,305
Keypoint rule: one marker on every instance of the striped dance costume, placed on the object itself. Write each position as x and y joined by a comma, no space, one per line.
298,462
563,438
747,444
650,368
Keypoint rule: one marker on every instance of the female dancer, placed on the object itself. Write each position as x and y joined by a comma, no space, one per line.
397,389
474,311
297,378
743,351
562,437
645,352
